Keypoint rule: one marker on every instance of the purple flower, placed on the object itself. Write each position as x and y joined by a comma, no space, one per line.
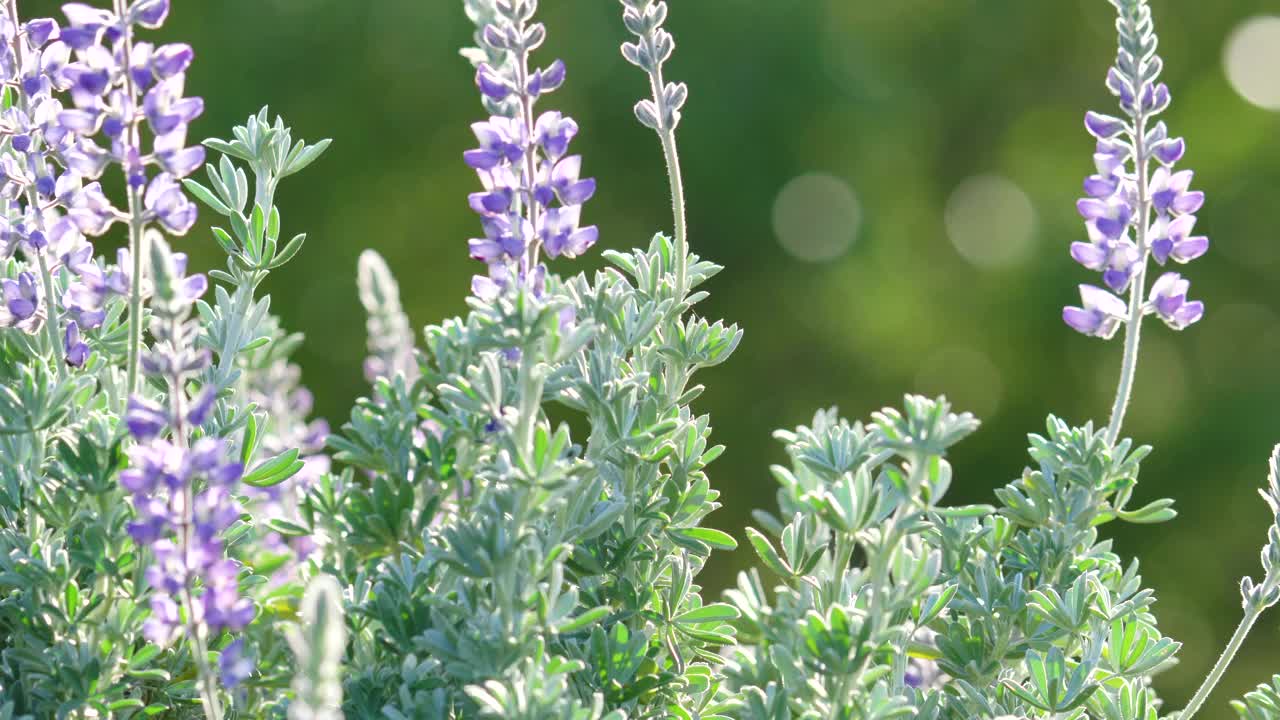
76,349
215,511
1109,157
234,667
491,84
43,71
21,298
202,407
180,290
163,477
40,30
1101,315
1170,151
1110,217
554,132
1169,192
149,13
501,140
119,280
161,627
145,419
532,193
113,81
1168,299
561,235
83,15
1136,188
547,79
87,207
1101,186
223,607
170,60
166,203
568,188
153,464
502,241
166,109
1155,98
1103,127
500,186
1173,240
152,520
177,159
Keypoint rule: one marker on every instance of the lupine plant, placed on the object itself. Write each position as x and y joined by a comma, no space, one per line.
510,525
891,604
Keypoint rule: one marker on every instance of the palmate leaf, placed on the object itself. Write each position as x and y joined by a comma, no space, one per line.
1055,687
1262,703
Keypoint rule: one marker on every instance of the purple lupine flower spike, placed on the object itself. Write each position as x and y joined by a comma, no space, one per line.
533,194
114,83
1138,205
184,492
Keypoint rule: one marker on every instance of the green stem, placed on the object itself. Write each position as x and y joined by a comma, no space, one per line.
838,697
208,681
137,249
1137,291
51,319
530,401
676,178
1251,614
196,630
1129,365
878,574
137,226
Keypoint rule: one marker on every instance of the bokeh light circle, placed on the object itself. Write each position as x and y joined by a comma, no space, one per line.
1251,57
816,216
990,221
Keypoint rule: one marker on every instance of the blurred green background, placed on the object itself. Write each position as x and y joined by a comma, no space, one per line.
936,149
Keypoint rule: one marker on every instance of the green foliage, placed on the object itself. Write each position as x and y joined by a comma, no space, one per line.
540,577
1263,703
1019,610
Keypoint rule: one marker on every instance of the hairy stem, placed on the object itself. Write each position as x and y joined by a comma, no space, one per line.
1137,289
51,319
1132,338
1251,614
671,153
195,629
137,248
533,244
137,226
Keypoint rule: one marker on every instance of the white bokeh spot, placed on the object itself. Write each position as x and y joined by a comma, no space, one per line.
990,221
1251,58
816,216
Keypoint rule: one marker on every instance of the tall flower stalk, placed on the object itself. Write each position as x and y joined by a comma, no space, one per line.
1255,598
533,195
1132,213
118,87
661,112
184,493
